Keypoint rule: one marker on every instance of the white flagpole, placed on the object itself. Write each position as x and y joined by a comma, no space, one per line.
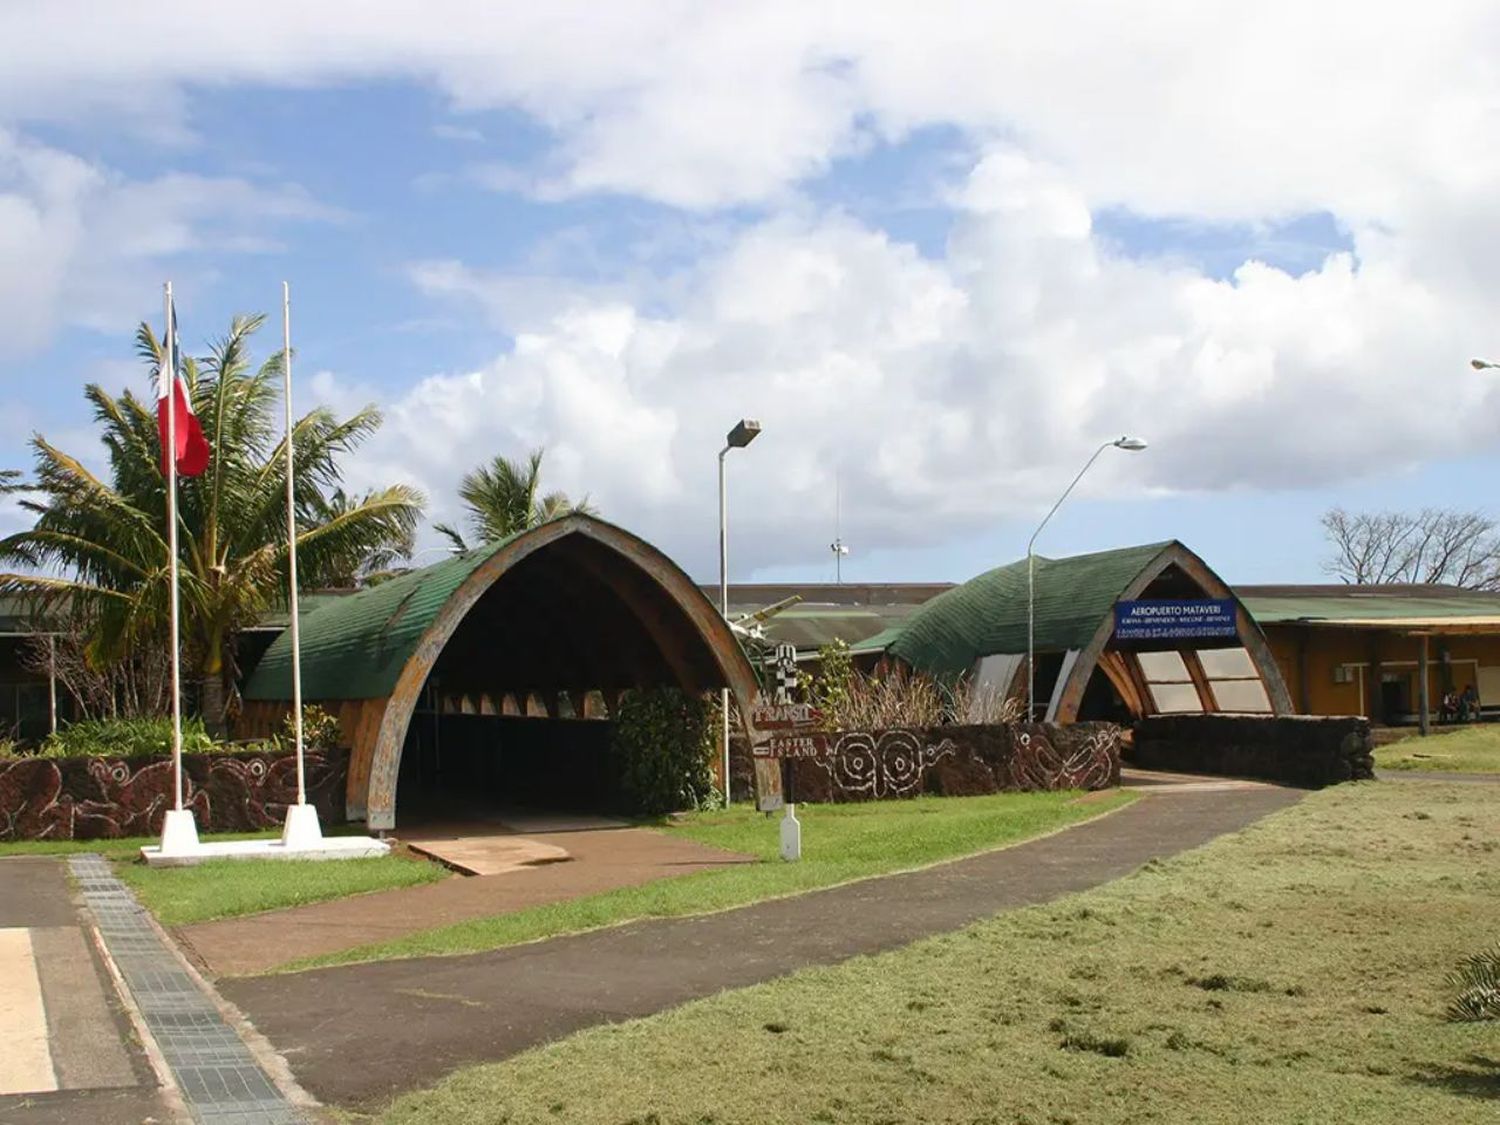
170,353
291,533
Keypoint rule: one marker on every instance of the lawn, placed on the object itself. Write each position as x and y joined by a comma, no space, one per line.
1474,749
229,887
1289,973
839,843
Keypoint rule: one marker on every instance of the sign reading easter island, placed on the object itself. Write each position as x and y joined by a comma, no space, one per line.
787,730
1178,619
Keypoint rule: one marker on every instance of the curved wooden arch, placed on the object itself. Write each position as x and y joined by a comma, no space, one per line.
374,766
1250,635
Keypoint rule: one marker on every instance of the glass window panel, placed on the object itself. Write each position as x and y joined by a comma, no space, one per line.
1241,695
1175,698
1162,667
1227,664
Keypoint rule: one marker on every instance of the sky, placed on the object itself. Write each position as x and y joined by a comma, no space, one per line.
942,252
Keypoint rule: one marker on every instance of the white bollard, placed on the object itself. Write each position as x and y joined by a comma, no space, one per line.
179,833
791,835
301,830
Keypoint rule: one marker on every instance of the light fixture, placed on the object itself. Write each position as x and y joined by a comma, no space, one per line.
745,431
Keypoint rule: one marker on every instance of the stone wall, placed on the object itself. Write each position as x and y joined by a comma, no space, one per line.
100,798
956,761
1309,750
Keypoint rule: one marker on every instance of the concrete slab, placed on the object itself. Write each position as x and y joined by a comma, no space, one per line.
86,1035
34,892
494,854
26,1061
328,847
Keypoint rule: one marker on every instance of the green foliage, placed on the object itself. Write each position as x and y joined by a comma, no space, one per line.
8,748
126,738
320,730
662,748
98,545
1477,979
829,689
503,498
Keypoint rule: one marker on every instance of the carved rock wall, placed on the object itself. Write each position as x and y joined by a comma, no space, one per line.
958,761
105,798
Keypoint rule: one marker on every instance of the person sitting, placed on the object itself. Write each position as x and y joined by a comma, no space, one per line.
1448,707
1468,705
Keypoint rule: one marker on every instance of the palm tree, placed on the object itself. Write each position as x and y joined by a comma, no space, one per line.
504,498
99,545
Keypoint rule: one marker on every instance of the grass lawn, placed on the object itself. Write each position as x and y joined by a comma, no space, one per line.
127,847
225,888
1289,973
1474,749
839,843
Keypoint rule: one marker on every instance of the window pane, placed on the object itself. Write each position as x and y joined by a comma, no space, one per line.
1175,698
1162,666
1227,664
1240,695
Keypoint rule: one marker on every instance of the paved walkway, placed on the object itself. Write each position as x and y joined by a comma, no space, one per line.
358,1034
603,859
66,1049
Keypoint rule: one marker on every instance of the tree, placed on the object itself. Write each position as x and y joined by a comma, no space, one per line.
98,548
504,497
1435,545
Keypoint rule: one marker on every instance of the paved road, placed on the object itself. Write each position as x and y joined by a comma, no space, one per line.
68,1053
356,1035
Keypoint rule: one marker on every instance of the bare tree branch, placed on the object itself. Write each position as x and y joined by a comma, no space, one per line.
1434,546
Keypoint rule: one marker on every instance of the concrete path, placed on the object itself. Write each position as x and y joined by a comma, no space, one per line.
356,1035
67,1052
603,859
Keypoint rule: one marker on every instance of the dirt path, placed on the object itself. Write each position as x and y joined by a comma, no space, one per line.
358,1034
603,860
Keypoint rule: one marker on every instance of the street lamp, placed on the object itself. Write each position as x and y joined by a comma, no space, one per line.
1482,364
745,431
1130,444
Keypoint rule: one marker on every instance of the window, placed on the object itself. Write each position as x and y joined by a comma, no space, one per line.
1170,685
1234,681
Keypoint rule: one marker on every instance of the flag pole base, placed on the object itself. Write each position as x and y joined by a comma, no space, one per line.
179,833
301,829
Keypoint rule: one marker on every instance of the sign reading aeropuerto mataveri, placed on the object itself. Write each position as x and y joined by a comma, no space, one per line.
1184,619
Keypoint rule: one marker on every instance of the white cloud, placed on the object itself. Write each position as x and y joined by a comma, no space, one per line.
1209,109
79,243
955,393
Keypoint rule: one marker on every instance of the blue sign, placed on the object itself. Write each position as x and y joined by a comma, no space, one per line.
1175,620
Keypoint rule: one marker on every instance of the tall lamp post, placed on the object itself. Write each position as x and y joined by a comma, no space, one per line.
1133,445
745,431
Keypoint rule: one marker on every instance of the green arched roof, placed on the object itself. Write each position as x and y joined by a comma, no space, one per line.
987,614
354,647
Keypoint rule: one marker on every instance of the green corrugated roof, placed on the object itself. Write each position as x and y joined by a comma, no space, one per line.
354,647
987,614
809,627
1273,609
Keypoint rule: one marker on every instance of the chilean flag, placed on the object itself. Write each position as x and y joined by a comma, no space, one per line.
192,446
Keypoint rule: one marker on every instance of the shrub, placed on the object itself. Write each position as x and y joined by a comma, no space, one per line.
125,738
662,746
320,730
9,748
1477,979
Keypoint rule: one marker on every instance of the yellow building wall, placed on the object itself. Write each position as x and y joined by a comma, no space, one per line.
1308,658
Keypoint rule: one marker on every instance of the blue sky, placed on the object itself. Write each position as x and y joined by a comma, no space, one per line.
940,276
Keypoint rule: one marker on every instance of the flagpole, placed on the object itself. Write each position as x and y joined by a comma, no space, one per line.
302,832
170,359
291,538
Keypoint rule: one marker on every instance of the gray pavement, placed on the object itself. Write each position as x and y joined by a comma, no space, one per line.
356,1035
69,1052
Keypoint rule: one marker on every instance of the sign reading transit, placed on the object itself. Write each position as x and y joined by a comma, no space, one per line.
1185,619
